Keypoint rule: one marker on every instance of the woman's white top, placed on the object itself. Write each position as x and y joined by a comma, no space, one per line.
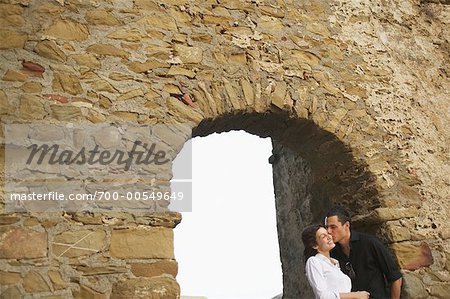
326,279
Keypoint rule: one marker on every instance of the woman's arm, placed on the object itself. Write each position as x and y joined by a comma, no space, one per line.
354,295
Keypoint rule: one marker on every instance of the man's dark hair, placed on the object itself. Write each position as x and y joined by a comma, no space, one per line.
342,214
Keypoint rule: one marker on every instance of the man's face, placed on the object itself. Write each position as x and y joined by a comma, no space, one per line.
336,229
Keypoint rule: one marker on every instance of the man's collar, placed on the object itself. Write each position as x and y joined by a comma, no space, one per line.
354,236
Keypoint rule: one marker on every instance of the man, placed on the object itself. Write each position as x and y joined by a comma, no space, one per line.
363,258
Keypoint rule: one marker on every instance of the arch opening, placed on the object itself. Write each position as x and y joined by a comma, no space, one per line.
312,171
228,246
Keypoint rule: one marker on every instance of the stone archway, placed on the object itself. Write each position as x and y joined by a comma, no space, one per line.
334,73
312,170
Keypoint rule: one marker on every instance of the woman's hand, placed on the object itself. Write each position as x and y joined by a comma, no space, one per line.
362,295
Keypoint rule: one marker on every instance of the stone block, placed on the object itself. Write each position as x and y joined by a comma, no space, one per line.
12,39
31,107
9,278
398,233
178,108
19,243
110,50
78,243
412,257
66,113
440,291
68,30
13,75
413,287
67,83
155,269
33,282
189,54
51,50
101,270
150,288
10,293
101,17
57,280
134,243
86,292
8,219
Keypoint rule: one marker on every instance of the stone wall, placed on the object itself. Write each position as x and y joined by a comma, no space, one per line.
353,93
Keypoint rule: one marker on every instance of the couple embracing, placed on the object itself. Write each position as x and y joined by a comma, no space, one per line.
345,264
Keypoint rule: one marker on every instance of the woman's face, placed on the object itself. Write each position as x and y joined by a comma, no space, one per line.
324,241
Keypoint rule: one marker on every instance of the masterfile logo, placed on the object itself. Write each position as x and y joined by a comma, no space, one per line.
96,167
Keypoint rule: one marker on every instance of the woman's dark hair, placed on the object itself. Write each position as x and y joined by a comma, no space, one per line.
309,240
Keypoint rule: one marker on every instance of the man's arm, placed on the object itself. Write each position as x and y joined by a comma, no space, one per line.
396,288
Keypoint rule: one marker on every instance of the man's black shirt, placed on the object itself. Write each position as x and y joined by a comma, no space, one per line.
372,263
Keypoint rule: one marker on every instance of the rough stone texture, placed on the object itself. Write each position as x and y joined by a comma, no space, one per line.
412,257
142,243
354,95
78,243
151,288
155,269
33,282
19,243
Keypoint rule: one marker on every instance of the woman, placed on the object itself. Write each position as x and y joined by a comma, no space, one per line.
323,272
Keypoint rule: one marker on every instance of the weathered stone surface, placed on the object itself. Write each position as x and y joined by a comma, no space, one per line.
8,219
68,30
31,87
78,243
103,49
131,94
33,282
178,107
154,242
64,112
67,83
86,292
87,271
398,233
126,116
129,35
412,257
440,291
20,243
380,215
12,39
9,293
189,54
413,287
9,278
4,104
142,67
50,49
101,17
88,60
174,70
57,280
279,94
103,85
155,269
157,287
159,22
50,9
13,75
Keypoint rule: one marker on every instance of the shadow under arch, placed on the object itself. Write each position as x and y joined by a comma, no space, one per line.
312,171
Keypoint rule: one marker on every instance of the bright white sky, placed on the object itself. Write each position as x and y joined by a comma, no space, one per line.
227,247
